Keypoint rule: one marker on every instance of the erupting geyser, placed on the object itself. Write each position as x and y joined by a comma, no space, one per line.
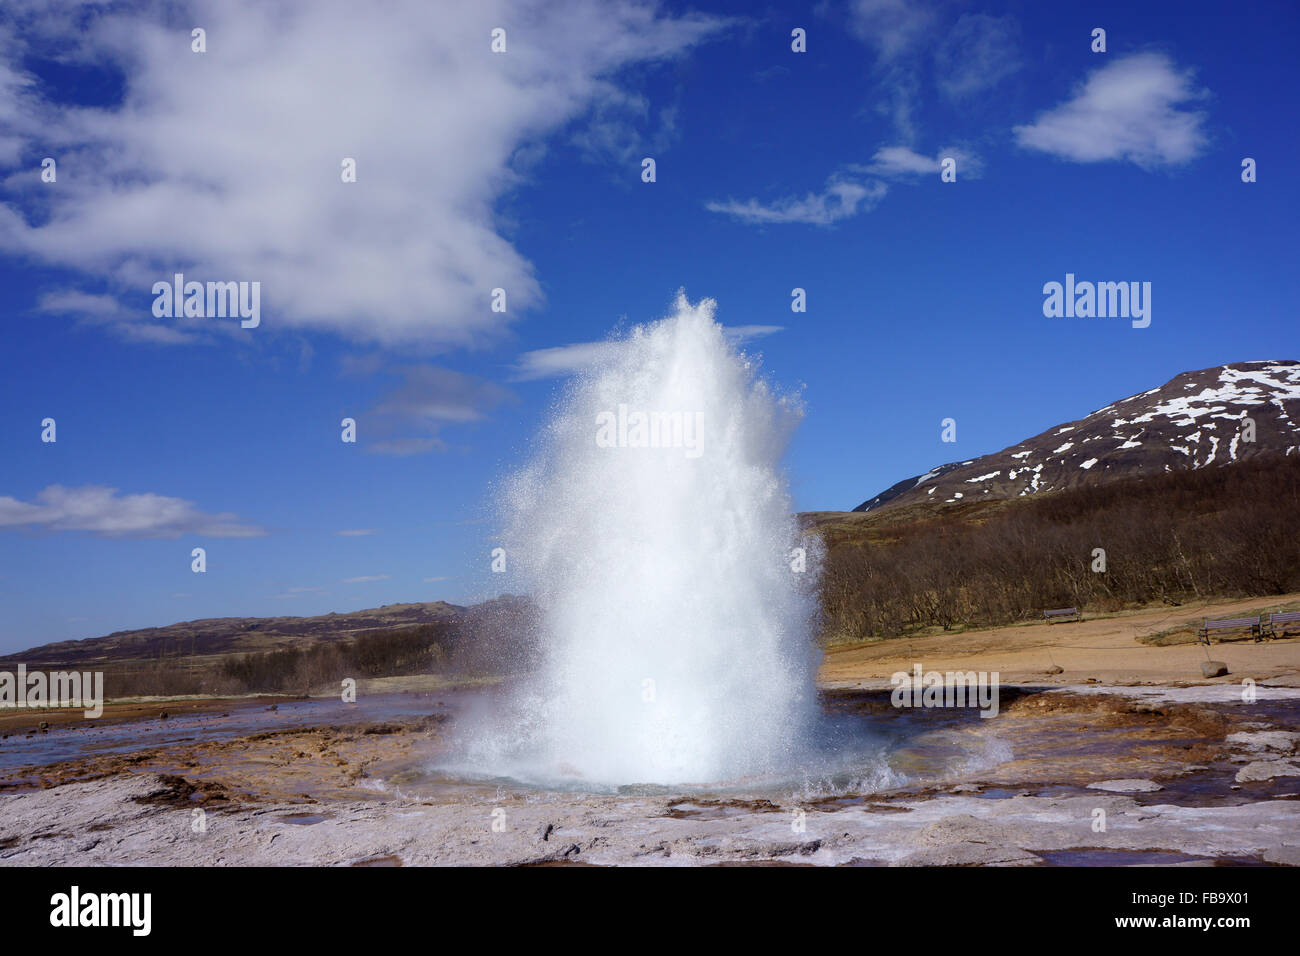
654,530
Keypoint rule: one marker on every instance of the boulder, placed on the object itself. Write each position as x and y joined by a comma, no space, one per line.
1267,770
1213,668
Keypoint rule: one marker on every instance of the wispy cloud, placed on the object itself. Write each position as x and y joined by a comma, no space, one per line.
900,162
894,31
354,532
841,198
298,592
739,334
912,39
106,310
891,27
1133,108
856,188
367,578
564,360
979,53
408,419
624,127
103,511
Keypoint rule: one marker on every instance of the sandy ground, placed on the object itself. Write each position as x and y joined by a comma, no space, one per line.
1104,650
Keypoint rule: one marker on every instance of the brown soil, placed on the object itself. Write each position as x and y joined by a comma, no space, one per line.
1105,650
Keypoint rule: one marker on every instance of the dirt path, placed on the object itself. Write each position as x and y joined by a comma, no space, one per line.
1105,650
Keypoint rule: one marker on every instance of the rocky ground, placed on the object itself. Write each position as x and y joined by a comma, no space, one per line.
1138,775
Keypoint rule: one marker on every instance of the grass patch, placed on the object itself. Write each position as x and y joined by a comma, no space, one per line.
1186,633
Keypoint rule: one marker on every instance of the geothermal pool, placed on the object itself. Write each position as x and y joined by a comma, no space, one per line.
864,746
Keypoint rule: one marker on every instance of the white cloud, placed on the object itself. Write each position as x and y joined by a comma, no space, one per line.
367,578
841,198
225,165
103,511
1131,109
563,360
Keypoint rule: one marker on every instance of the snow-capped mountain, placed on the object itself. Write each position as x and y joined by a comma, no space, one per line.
1195,420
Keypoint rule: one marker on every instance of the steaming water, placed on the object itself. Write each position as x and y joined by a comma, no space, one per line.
677,636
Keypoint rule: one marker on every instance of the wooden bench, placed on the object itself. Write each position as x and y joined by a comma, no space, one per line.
1270,626
1228,624
1062,614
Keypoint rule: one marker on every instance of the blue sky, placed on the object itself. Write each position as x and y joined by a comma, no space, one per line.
522,170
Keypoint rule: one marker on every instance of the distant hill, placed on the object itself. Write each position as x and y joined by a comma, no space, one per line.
219,636
1193,421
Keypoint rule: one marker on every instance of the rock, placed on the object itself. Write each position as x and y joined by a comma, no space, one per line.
1267,770
1213,668
1126,786
44,726
1286,855
1284,740
1056,669
163,716
963,828
969,854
